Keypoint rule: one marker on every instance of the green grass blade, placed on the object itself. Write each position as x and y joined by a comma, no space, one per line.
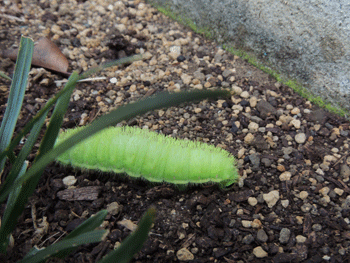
122,113
2,74
7,225
86,238
28,184
27,148
87,226
71,84
56,121
17,90
133,243
68,87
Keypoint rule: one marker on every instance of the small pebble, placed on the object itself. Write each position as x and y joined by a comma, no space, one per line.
285,176
245,95
248,239
69,180
252,201
246,223
300,239
259,252
300,138
184,255
248,139
262,236
271,198
303,195
284,235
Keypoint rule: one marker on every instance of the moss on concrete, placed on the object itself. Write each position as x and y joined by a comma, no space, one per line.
251,58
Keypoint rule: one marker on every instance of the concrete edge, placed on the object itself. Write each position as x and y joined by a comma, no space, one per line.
253,60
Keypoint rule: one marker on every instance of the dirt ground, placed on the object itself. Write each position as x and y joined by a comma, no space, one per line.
292,203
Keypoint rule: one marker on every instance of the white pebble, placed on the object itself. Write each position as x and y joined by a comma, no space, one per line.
252,201
296,123
245,95
271,198
253,127
300,239
285,176
259,252
246,223
303,195
69,180
300,138
249,138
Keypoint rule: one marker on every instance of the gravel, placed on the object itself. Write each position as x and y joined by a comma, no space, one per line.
293,200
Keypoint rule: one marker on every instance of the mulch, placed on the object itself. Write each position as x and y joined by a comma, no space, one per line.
292,203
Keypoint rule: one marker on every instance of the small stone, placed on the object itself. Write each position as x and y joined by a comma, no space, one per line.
295,123
253,127
252,201
114,208
173,55
245,95
300,239
289,107
248,239
181,58
285,176
249,138
237,90
256,223
262,236
285,203
281,168
295,111
339,191
253,101
303,195
184,255
325,200
317,227
284,235
186,79
344,171
226,73
259,252
246,223
69,180
197,110
271,198
265,109
306,208
324,191
300,138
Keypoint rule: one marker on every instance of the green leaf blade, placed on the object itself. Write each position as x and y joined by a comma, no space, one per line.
134,242
16,96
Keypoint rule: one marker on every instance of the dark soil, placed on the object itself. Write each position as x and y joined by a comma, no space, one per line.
292,203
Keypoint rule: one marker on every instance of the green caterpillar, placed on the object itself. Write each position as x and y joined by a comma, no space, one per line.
152,156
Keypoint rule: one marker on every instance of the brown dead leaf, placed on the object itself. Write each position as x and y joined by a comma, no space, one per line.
46,54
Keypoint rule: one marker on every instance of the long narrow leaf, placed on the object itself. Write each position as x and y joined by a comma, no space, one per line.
13,207
27,148
71,84
88,225
7,223
55,124
133,243
165,99
17,90
122,113
86,238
